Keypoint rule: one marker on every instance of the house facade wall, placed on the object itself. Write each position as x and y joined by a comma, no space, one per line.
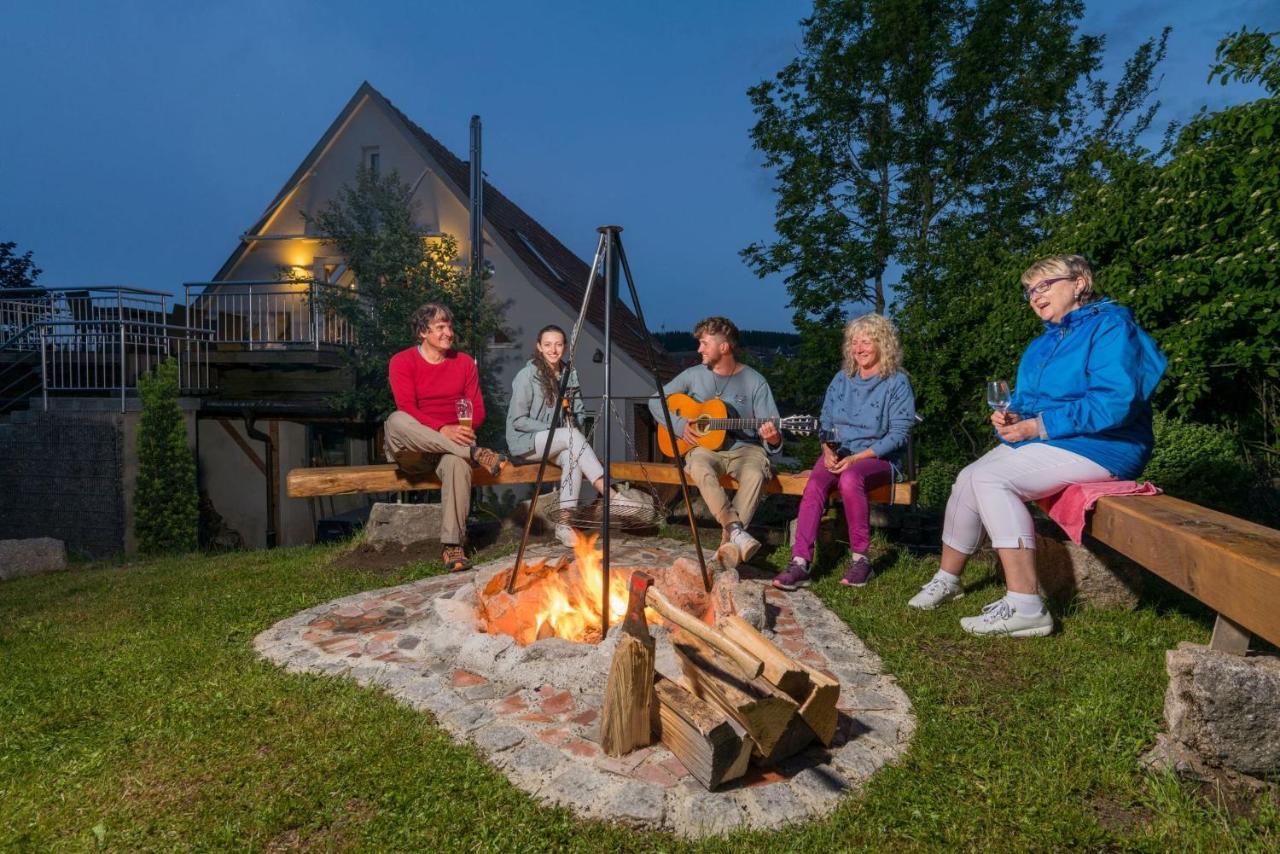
235,485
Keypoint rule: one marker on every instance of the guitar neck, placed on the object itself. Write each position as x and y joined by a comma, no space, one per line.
739,423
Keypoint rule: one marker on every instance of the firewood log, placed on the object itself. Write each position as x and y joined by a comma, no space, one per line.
768,715
779,668
625,722
819,708
713,746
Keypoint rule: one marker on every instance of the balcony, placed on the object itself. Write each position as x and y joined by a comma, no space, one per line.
99,340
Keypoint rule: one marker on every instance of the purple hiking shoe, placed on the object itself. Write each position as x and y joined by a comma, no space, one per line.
794,576
858,573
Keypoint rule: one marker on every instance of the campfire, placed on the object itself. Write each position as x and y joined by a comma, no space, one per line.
738,699
561,599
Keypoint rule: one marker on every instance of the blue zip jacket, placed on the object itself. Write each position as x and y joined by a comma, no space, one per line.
876,412
1090,379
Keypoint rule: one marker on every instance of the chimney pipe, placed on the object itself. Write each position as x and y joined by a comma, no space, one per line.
477,201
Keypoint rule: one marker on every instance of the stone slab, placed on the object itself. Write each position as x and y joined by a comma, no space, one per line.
31,556
1225,708
402,525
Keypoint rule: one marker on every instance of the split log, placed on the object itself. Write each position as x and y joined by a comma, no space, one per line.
779,668
713,746
747,664
819,708
769,716
628,694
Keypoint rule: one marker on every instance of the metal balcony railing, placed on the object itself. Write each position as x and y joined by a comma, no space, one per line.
268,315
101,339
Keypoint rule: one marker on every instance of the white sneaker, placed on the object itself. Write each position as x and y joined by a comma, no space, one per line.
999,618
747,544
565,535
934,593
627,500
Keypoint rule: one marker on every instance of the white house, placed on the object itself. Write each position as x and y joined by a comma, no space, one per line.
284,361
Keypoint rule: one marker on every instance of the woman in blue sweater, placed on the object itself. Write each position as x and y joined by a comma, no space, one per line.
1080,412
869,409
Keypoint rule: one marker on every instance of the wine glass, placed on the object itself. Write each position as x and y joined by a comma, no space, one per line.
998,395
828,438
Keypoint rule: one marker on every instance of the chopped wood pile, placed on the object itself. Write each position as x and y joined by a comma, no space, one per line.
740,700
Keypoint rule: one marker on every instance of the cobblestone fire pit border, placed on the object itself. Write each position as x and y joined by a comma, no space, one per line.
534,711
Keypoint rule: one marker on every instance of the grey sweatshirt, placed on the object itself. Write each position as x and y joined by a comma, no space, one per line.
746,393
529,413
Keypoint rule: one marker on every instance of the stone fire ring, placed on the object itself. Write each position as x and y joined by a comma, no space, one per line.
534,711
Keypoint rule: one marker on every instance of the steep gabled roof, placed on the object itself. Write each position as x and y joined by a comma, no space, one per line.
558,268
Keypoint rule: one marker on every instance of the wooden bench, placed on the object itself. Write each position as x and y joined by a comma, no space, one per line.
1229,564
388,477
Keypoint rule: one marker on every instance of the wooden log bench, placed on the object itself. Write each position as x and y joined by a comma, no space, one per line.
1229,564
388,477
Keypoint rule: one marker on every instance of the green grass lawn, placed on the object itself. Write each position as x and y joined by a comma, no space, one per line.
134,714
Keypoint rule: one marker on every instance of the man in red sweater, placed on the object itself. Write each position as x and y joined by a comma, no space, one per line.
424,433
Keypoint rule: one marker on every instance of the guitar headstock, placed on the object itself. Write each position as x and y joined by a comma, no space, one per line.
801,425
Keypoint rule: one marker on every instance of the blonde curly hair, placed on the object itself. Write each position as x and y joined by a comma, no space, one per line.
883,333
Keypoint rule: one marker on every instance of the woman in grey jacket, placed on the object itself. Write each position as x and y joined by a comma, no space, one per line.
532,410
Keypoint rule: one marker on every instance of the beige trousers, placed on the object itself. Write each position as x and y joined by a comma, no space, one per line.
748,464
407,435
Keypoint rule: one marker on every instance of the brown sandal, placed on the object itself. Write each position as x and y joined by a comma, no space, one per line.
455,559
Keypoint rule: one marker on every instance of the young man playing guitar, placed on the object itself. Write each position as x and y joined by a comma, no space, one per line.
745,455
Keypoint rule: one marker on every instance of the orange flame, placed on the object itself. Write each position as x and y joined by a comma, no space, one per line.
570,604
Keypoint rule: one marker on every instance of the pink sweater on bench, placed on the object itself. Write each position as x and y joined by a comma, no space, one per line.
1069,507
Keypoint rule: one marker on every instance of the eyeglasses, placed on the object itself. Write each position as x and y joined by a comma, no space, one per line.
1043,286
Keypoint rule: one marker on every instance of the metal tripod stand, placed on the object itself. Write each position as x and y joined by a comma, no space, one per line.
612,258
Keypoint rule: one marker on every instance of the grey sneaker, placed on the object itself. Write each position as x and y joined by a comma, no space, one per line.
794,576
747,545
999,618
935,593
565,535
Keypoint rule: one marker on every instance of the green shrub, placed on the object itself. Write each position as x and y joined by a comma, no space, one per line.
166,505
934,483
1200,463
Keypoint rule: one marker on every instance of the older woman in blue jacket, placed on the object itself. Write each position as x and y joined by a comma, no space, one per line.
1080,412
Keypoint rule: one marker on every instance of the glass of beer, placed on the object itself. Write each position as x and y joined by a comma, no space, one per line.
463,408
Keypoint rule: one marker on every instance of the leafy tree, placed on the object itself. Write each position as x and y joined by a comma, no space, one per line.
905,126
16,271
166,506
396,269
1189,241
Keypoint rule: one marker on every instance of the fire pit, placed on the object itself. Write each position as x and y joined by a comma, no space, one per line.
560,597
453,646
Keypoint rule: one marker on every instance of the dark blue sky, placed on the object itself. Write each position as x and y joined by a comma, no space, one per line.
140,138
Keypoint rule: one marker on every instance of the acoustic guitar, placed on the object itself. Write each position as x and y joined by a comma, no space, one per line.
711,422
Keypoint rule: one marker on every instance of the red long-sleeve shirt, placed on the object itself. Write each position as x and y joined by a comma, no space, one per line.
428,392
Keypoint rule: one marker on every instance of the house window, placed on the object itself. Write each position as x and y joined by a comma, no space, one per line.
372,159
500,340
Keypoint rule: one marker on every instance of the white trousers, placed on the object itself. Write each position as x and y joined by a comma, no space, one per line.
577,461
992,492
